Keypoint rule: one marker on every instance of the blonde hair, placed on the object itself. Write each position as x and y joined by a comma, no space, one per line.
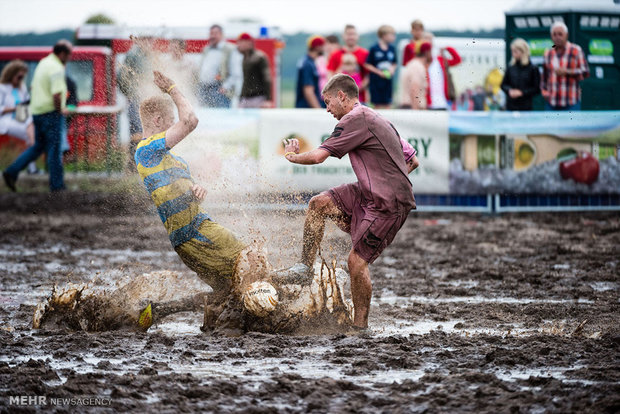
11,69
521,45
385,29
155,106
417,24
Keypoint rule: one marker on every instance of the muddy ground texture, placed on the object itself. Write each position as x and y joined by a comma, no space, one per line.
471,313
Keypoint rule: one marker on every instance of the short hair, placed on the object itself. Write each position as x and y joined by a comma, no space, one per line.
558,24
522,45
62,46
153,106
216,26
385,29
341,82
349,26
332,39
11,69
180,42
417,24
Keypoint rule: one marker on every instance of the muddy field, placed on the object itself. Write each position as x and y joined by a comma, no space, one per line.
471,313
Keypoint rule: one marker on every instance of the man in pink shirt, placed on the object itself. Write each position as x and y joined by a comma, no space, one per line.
371,210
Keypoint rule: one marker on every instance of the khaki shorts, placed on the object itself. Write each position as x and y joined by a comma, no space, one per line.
214,261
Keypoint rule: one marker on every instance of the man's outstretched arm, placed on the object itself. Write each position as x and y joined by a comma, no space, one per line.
291,151
187,118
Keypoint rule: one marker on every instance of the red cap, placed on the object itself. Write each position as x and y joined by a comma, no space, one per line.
315,41
245,36
423,47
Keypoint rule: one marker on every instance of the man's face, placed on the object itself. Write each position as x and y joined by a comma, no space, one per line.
417,32
334,104
559,37
65,56
244,45
389,38
350,37
215,36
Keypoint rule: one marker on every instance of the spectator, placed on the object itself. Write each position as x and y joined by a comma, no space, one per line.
220,72
522,79
414,84
438,83
132,77
14,95
381,63
478,98
495,99
308,92
180,66
256,89
350,67
350,38
417,32
563,67
49,92
331,45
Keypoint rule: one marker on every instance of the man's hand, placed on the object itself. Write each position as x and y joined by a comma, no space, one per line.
267,104
162,81
561,71
199,192
515,93
291,145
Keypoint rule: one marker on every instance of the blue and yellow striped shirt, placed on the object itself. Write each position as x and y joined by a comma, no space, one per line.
168,180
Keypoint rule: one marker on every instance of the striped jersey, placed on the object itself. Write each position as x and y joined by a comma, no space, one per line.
168,180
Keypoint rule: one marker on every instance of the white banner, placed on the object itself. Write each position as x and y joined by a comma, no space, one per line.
427,131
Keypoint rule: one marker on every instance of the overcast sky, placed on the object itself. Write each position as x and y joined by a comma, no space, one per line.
320,16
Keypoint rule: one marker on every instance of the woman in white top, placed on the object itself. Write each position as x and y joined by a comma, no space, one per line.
12,93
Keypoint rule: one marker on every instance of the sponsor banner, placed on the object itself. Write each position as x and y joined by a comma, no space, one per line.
535,153
426,131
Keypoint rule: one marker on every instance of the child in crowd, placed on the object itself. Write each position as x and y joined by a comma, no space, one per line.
381,63
350,67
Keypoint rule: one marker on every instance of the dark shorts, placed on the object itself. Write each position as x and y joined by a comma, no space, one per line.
370,232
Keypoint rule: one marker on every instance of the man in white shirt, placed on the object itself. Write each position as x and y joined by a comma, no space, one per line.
220,73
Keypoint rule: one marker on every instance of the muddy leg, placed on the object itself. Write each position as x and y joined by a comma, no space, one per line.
319,208
361,289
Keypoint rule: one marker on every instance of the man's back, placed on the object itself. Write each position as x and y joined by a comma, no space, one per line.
48,80
376,155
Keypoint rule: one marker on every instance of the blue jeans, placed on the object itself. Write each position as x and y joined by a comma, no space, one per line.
575,107
48,135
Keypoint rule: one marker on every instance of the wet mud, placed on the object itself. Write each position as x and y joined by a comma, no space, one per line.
470,313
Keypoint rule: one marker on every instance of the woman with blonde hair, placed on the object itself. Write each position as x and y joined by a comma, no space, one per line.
522,79
15,119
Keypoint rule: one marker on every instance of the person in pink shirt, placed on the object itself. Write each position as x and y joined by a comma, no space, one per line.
371,210
350,67
350,38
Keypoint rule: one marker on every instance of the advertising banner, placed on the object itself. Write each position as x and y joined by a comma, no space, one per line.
535,152
426,131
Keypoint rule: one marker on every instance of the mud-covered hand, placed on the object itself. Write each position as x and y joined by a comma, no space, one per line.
199,192
291,145
162,81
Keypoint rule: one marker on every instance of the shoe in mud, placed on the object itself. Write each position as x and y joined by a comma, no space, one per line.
298,274
10,181
231,321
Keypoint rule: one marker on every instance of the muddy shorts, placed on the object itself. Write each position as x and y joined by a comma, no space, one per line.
214,260
370,233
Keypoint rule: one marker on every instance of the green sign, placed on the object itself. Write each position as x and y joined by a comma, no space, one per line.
601,47
538,46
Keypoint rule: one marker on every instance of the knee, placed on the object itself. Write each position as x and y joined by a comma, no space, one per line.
319,203
357,265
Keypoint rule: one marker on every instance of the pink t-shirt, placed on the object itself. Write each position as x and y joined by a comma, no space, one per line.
376,153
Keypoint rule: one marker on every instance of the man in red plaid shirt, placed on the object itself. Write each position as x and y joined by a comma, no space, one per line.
564,66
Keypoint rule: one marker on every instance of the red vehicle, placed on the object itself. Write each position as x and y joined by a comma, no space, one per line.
92,69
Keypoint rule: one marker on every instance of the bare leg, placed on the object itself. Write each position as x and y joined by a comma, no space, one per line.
319,208
361,289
